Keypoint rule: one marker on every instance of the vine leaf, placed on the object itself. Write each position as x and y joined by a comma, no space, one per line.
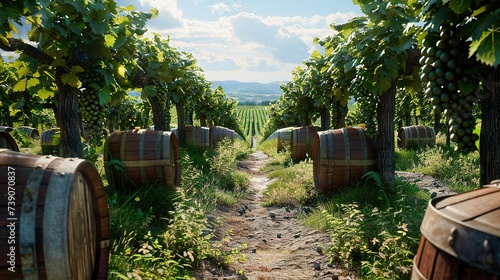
43,93
486,47
460,6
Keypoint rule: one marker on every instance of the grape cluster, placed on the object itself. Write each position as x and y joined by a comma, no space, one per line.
367,103
162,94
444,62
91,111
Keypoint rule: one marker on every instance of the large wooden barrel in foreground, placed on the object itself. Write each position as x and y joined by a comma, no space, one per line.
461,237
49,141
410,137
341,157
7,142
146,156
302,141
54,221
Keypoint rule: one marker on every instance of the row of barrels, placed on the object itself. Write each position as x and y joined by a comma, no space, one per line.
56,220
342,156
140,156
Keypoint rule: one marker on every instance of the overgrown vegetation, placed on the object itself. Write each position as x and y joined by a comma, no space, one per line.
373,229
161,233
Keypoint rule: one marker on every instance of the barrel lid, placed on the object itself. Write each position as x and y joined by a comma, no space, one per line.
466,226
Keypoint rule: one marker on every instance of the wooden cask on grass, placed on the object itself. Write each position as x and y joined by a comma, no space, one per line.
146,156
49,141
7,142
198,136
410,137
29,132
341,157
302,141
219,133
54,222
461,237
284,137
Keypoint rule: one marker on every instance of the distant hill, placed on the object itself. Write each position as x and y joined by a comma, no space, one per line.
251,92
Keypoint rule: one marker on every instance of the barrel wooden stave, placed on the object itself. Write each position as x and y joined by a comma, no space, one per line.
302,141
47,142
410,137
341,157
460,237
284,137
29,131
148,156
7,142
46,205
220,133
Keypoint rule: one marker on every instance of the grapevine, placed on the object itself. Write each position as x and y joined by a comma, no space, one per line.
162,94
92,112
444,62
367,103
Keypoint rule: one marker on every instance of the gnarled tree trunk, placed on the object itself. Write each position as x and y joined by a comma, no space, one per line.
490,129
158,113
71,144
386,156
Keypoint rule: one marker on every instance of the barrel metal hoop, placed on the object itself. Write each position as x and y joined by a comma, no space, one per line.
416,274
461,241
55,223
27,228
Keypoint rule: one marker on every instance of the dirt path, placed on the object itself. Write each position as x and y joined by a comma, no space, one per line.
274,244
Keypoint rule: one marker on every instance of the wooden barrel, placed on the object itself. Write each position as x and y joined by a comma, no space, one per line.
145,156
50,141
410,137
29,131
302,141
54,222
4,128
341,157
198,136
461,237
284,137
219,133
7,142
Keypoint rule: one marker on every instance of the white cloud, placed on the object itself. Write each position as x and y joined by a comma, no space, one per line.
241,45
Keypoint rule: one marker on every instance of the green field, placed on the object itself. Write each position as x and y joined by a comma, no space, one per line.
252,120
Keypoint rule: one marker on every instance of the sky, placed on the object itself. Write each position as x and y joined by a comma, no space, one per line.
246,40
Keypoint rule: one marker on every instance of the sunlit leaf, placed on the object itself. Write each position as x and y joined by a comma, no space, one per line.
109,40
70,79
20,85
43,93
32,82
487,47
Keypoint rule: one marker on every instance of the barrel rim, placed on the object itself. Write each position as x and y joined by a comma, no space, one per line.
443,231
10,140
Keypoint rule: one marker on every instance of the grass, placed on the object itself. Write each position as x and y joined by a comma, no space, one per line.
374,231
459,172
162,233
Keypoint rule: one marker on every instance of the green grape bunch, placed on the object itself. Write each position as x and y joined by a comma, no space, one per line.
367,103
444,62
92,112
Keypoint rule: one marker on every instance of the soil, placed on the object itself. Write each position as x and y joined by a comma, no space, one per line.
274,244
